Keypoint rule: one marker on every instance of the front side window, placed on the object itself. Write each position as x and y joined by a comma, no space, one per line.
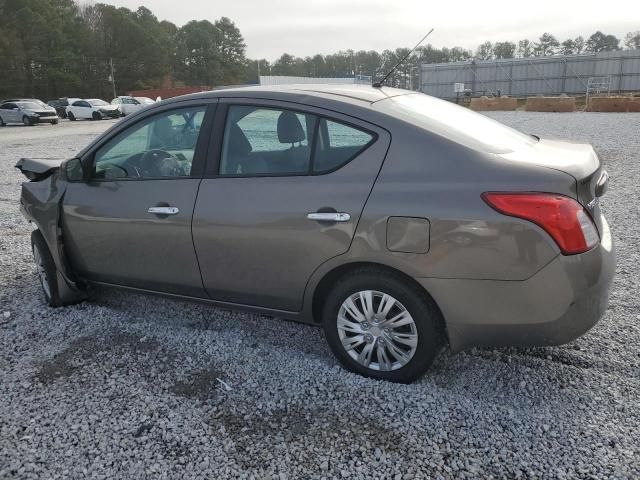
266,141
158,147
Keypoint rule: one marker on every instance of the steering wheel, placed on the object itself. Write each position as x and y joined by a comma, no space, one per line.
160,163
112,167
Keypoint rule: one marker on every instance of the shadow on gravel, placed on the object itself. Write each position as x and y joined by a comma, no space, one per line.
89,350
199,385
307,437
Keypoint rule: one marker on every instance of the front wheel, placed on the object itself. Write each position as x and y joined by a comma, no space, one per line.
26,121
380,325
2,124
54,122
96,116
47,272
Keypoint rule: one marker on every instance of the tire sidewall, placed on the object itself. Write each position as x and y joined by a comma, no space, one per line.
425,316
26,121
38,242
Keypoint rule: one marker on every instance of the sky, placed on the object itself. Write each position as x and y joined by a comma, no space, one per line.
307,27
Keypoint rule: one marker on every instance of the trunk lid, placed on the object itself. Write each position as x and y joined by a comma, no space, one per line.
576,159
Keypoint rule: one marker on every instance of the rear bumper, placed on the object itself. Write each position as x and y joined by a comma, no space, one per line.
556,305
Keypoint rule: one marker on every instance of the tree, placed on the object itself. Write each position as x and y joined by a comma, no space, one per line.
525,48
599,42
632,40
547,45
504,49
579,44
485,51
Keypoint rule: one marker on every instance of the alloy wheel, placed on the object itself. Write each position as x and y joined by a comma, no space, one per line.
377,331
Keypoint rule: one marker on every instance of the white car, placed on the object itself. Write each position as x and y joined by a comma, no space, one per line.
129,105
92,108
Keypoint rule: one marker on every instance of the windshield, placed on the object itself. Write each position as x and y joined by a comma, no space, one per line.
29,105
456,123
97,103
144,100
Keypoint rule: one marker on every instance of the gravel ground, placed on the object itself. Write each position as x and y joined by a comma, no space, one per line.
129,386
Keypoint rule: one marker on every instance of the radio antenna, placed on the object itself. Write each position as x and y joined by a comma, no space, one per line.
381,82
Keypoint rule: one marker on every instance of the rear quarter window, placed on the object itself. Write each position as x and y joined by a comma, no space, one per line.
337,144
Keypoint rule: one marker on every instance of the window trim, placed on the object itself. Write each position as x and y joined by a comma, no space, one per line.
216,144
199,155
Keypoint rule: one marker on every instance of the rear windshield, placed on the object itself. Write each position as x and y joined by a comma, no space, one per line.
97,103
456,123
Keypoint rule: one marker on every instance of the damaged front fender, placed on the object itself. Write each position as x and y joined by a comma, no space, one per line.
41,203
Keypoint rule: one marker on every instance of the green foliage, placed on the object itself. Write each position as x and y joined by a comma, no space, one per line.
632,40
599,42
53,48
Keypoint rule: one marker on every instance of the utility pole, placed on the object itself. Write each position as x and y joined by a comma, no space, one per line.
258,72
112,78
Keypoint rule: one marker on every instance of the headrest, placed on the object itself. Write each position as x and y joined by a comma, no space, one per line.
238,143
289,128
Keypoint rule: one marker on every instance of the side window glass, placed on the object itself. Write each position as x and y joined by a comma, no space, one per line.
158,147
337,144
266,141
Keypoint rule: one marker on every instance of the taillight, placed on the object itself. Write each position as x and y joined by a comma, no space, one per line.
561,217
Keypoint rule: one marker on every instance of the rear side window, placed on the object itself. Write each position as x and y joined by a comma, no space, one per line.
266,141
337,144
272,141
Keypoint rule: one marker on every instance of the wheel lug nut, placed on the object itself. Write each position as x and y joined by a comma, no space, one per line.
386,330
368,338
365,326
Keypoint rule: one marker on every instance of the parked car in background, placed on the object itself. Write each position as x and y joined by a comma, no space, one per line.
93,109
27,112
61,105
129,105
32,100
396,220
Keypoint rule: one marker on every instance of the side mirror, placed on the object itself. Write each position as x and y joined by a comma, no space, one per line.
73,170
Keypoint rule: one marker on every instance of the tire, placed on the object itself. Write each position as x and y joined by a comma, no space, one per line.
54,122
2,124
96,116
27,122
71,117
424,326
47,272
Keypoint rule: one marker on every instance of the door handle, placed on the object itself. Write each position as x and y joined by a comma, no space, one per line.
329,217
163,210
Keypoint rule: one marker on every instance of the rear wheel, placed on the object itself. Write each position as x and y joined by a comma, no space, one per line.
27,122
2,124
71,116
381,326
47,272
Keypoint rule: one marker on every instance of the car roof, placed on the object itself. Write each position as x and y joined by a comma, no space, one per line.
366,94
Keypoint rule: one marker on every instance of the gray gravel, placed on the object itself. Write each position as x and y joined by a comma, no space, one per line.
129,386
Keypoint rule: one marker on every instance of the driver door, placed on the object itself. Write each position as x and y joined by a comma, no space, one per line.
129,223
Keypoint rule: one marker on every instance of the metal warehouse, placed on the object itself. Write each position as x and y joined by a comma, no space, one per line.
617,72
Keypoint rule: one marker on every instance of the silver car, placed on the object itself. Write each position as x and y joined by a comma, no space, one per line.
27,112
397,221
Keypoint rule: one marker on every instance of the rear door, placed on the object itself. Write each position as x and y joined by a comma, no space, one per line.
282,196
